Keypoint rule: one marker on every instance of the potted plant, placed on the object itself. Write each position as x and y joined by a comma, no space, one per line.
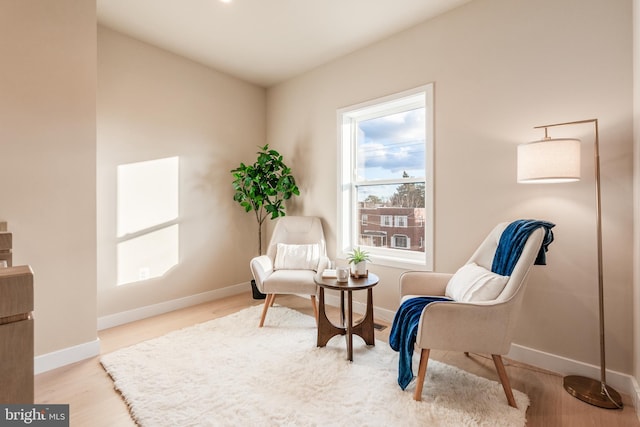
262,188
358,258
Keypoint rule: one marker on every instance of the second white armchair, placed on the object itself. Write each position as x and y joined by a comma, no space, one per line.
296,254
478,319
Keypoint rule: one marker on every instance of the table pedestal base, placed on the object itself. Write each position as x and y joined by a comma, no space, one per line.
364,328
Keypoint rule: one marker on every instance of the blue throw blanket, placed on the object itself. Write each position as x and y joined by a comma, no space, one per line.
512,243
405,323
404,332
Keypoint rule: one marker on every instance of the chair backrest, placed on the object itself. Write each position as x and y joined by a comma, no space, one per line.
483,256
297,230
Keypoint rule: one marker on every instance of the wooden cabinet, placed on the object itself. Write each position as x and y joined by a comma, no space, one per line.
5,246
16,331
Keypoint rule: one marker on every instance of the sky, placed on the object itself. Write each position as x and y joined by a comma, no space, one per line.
391,145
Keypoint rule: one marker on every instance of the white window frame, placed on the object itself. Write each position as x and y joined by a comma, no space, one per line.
347,230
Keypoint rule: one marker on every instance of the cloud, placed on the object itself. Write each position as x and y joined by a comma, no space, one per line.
407,125
393,143
395,158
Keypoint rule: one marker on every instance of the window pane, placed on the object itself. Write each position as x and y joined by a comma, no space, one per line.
400,220
400,241
395,216
409,195
391,146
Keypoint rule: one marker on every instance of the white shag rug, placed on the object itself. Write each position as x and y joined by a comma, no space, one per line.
229,372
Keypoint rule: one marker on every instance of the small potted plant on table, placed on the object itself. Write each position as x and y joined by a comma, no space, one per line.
358,259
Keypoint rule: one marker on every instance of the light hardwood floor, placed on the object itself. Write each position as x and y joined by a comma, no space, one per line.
94,402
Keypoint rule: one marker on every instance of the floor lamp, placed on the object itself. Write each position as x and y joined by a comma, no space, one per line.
555,161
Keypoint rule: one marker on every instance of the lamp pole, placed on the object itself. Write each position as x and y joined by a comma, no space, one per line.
583,388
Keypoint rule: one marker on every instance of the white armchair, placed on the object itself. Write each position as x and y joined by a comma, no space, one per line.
484,326
296,254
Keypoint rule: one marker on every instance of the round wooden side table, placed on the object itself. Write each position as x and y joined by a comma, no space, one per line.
364,328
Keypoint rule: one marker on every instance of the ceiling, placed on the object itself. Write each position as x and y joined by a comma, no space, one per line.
265,41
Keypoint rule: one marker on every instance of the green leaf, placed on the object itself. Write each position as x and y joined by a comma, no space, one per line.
264,185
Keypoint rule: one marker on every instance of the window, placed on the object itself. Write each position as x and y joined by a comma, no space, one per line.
386,171
400,221
374,238
400,241
386,220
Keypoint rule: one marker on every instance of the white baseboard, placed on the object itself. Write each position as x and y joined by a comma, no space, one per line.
66,356
111,320
623,383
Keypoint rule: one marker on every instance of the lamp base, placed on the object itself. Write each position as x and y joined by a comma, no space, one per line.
591,391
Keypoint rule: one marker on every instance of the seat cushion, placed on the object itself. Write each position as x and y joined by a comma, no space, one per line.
297,257
475,283
290,282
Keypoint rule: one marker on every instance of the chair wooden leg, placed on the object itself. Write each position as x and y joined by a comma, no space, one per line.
504,379
315,307
422,373
267,303
273,300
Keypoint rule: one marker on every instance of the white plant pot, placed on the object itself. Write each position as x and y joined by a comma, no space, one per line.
360,268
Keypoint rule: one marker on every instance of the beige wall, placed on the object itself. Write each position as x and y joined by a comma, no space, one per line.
47,159
153,104
500,67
